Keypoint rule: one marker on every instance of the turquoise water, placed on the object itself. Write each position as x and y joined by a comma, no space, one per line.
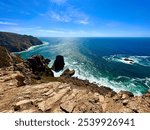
100,60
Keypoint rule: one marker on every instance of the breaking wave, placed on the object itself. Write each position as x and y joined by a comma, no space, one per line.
137,60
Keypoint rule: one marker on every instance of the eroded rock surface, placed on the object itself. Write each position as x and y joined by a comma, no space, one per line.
73,96
5,58
39,65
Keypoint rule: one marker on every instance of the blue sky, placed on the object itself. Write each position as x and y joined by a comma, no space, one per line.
73,18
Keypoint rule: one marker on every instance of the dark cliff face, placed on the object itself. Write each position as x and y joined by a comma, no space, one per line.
16,42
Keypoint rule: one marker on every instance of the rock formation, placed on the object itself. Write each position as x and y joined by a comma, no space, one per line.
7,59
129,60
16,42
39,65
68,73
58,63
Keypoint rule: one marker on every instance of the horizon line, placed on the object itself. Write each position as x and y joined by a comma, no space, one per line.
77,36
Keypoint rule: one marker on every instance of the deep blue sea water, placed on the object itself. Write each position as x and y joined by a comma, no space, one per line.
101,60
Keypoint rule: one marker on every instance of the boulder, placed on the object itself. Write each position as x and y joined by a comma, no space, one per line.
125,102
21,80
125,94
68,73
68,106
101,98
58,63
23,105
129,60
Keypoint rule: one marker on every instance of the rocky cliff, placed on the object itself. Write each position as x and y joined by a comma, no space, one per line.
29,87
16,42
65,96
7,59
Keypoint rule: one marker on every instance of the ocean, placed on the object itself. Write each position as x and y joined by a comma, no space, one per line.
102,60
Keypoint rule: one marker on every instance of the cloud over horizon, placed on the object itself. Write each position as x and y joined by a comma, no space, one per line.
7,23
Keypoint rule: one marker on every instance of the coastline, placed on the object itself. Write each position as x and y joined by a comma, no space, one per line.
32,47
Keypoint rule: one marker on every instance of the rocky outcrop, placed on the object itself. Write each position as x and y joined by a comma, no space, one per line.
5,58
130,61
125,94
58,63
68,73
16,42
16,58
39,65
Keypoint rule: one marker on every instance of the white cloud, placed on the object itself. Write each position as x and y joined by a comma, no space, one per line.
83,21
60,17
51,31
7,23
63,11
69,14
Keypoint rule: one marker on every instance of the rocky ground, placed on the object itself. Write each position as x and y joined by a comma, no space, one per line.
65,95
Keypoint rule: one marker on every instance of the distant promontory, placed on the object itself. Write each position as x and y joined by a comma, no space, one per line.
16,42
